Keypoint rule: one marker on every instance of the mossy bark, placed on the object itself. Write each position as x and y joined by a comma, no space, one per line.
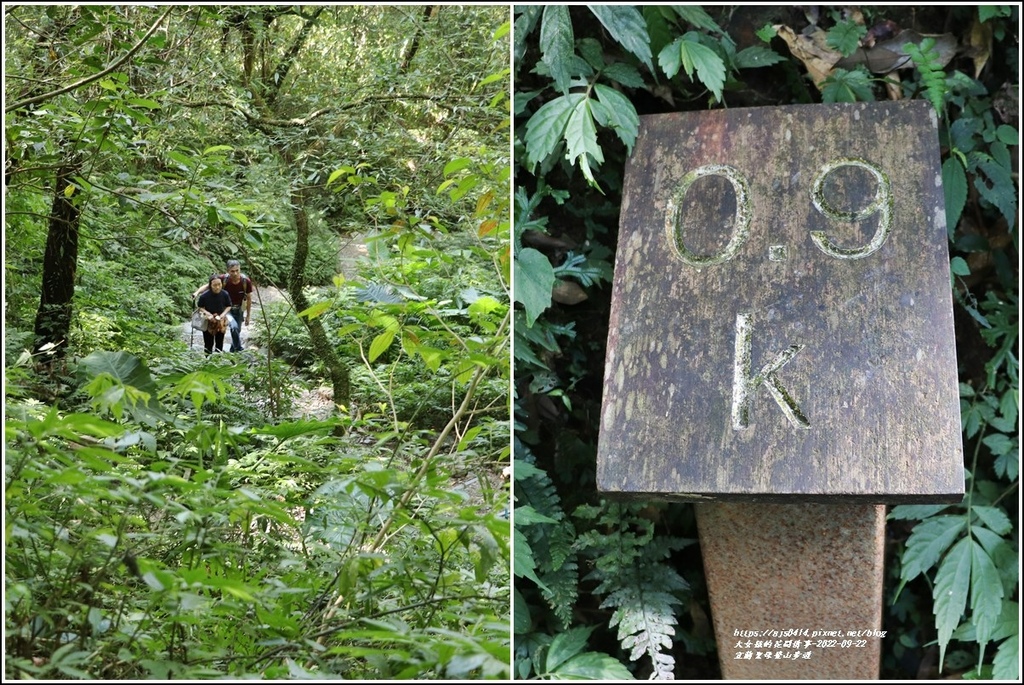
322,346
60,261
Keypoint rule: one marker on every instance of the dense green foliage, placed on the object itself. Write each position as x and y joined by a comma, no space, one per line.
605,590
176,516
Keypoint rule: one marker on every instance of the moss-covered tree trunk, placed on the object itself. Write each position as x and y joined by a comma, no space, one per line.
322,346
60,259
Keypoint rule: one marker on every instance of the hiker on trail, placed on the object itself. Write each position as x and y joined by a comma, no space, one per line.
239,287
215,304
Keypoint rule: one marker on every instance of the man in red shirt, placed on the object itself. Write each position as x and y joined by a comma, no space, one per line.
239,287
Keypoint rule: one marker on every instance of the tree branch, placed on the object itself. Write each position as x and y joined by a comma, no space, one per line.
96,76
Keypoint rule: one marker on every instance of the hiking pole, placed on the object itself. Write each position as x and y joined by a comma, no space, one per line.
192,339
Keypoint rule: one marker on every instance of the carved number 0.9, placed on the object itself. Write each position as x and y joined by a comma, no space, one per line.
881,204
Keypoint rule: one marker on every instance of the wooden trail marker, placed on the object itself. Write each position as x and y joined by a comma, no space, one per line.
781,324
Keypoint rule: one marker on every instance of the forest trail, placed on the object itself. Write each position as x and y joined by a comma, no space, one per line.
315,402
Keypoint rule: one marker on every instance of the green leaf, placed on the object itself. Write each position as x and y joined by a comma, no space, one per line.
520,614
216,149
380,344
766,33
546,128
627,26
565,646
959,267
915,511
847,86
620,114
986,596
757,56
623,73
986,12
556,43
316,310
523,564
1001,193
581,138
845,37
994,518
1007,134
952,583
954,187
687,53
526,515
456,165
696,16
523,28
533,279
594,666
927,543
1006,665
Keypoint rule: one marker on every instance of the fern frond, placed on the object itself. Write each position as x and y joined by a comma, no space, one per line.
630,569
927,60
551,543
646,616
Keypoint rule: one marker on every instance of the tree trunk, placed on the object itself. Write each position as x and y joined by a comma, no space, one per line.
60,260
322,346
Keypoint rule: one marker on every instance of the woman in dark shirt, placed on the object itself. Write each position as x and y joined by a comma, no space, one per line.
215,304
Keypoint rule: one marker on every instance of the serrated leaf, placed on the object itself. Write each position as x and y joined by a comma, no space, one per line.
845,37
915,511
556,43
524,27
621,114
526,515
546,128
927,543
986,596
952,584
994,518
959,266
757,56
954,187
627,26
581,138
766,33
1008,465
1006,664
847,86
670,58
533,279
696,16
1002,192
523,564
709,66
623,73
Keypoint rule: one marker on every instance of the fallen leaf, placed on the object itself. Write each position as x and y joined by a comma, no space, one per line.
568,292
980,45
817,57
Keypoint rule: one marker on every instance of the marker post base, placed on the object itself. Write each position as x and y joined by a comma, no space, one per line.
806,575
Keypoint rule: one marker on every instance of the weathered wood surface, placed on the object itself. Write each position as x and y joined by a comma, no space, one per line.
762,344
